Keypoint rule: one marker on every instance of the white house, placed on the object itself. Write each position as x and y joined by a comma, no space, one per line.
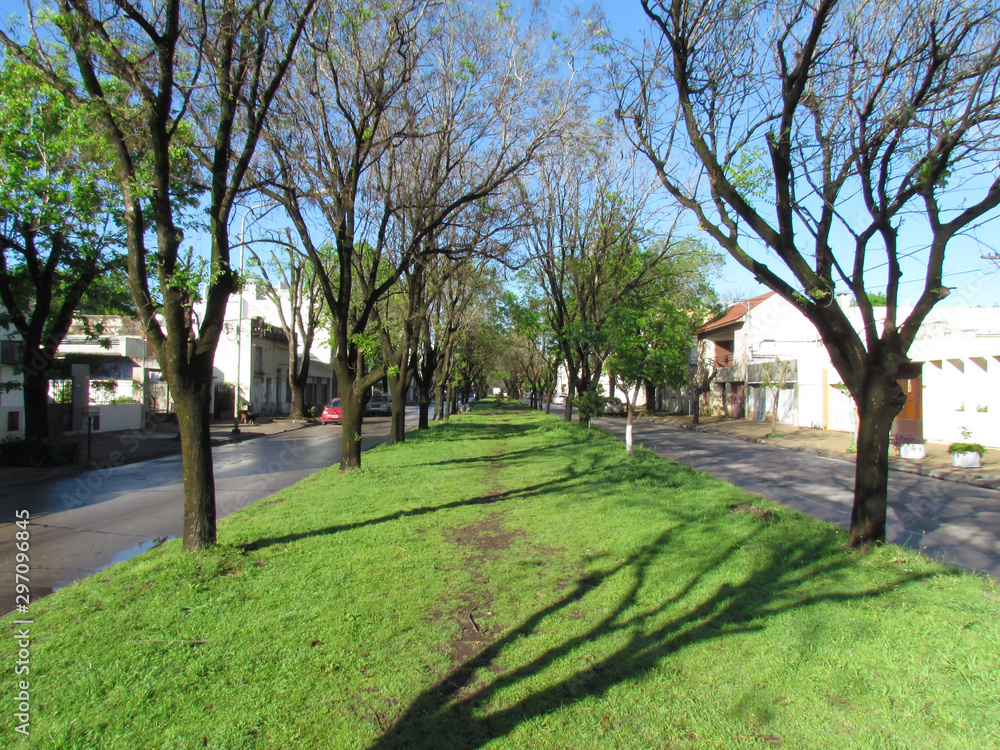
952,382
253,352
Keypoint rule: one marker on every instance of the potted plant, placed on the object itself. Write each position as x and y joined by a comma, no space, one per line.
909,446
967,455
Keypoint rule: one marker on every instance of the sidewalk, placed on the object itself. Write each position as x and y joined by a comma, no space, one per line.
834,445
130,446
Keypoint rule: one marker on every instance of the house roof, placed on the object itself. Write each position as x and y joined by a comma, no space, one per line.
734,314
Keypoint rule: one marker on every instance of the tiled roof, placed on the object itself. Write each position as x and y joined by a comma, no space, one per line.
734,313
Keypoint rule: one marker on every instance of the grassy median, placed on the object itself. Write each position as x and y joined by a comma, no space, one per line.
509,581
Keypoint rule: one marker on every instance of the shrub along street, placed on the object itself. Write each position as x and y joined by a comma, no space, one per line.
509,580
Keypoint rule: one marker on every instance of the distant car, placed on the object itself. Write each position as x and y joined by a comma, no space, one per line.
332,414
614,407
379,404
559,399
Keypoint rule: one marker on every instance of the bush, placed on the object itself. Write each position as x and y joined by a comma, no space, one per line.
967,448
38,452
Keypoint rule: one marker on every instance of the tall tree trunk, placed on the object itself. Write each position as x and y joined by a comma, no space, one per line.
298,376
352,417
878,407
191,400
650,398
424,402
35,392
438,401
630,417
397,391
570,392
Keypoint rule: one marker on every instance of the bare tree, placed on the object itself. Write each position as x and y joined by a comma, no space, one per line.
410,103
176,87
296,294
802,136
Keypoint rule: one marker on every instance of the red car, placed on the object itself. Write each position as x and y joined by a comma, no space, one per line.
332,413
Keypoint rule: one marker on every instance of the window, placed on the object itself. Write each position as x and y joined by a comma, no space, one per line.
10,352
724,353
13,421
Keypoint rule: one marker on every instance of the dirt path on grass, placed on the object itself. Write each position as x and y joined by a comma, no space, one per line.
486,539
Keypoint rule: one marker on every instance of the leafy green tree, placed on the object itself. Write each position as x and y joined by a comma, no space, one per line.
179,93
649,342
60,237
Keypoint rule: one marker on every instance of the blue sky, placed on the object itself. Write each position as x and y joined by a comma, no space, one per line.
974,281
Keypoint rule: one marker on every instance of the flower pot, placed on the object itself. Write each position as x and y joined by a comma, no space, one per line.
971,460
913,451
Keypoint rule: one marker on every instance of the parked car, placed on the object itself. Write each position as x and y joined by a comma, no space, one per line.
559,399
332,414
614,407
379,404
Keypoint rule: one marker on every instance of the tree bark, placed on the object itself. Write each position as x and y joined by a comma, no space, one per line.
424,402
297,380
191,400
650,398
629,418
877,409
570,391
36,402
352,417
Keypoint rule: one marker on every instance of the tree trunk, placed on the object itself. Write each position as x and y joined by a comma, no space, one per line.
877,409
696,410
438,401
36,403
191,400
297,384
630,416
352,417
650,398
397,391
424,400
570,391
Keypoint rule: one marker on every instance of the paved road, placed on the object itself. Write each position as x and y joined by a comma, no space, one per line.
955,522
84,523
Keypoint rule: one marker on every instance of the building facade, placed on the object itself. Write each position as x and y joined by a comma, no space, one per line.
768,356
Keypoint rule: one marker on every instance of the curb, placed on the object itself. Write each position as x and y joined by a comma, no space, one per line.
44,474
976,480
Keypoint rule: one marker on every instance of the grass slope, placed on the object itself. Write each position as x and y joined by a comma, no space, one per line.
506,580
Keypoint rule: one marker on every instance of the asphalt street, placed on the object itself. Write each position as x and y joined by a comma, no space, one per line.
87,522
956,523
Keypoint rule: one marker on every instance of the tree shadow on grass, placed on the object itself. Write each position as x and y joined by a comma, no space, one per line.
454,712
504,456
554,486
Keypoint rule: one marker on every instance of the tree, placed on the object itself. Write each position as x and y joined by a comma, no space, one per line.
298,300
179,92
648,342
406,105
59,239
802,137
590,231
774,377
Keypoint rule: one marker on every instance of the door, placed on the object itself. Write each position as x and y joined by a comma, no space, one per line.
910,421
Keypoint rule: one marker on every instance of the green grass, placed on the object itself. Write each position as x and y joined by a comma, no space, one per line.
509,581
